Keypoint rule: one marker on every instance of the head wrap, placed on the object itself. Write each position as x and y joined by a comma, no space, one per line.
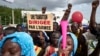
45,36
24,40
75,41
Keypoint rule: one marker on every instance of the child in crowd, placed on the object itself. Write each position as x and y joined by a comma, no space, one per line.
53,45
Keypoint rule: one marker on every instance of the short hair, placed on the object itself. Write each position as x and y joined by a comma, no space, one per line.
19,25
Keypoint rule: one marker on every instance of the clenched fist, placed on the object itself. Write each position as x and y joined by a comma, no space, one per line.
95,4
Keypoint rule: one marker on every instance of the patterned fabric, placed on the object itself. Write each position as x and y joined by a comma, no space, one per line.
24,40
37,49
50,50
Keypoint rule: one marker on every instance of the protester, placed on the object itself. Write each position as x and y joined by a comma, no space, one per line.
90,40
19,28
70,50
53,45
55,28
15,41
42,43
17,44
34,35
77,29
74,28
67,12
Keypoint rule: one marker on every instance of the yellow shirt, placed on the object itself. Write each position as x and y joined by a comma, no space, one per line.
37,49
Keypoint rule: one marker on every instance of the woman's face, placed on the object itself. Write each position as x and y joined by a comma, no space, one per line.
11,49
41,38
69,46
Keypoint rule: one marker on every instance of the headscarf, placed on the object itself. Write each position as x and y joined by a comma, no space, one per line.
75,41
24,40
45,36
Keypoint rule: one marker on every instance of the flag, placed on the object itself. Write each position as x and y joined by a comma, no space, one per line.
11,1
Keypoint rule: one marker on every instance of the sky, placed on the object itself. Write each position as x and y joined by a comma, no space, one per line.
84,6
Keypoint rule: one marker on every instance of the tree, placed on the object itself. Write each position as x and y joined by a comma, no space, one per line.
6,15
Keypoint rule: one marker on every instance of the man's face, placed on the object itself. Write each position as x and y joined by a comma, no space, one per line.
55,37
19,29
11,49
74,27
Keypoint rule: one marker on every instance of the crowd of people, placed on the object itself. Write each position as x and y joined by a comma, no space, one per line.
81,41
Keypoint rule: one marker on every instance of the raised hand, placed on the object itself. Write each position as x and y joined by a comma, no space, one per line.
95,4
67,12
69,6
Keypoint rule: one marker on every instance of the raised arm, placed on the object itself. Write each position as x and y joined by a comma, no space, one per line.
67,12
95,4
93,13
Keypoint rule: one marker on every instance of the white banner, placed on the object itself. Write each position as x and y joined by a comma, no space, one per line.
40,22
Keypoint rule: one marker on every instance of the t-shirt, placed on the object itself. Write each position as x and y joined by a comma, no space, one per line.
50,50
